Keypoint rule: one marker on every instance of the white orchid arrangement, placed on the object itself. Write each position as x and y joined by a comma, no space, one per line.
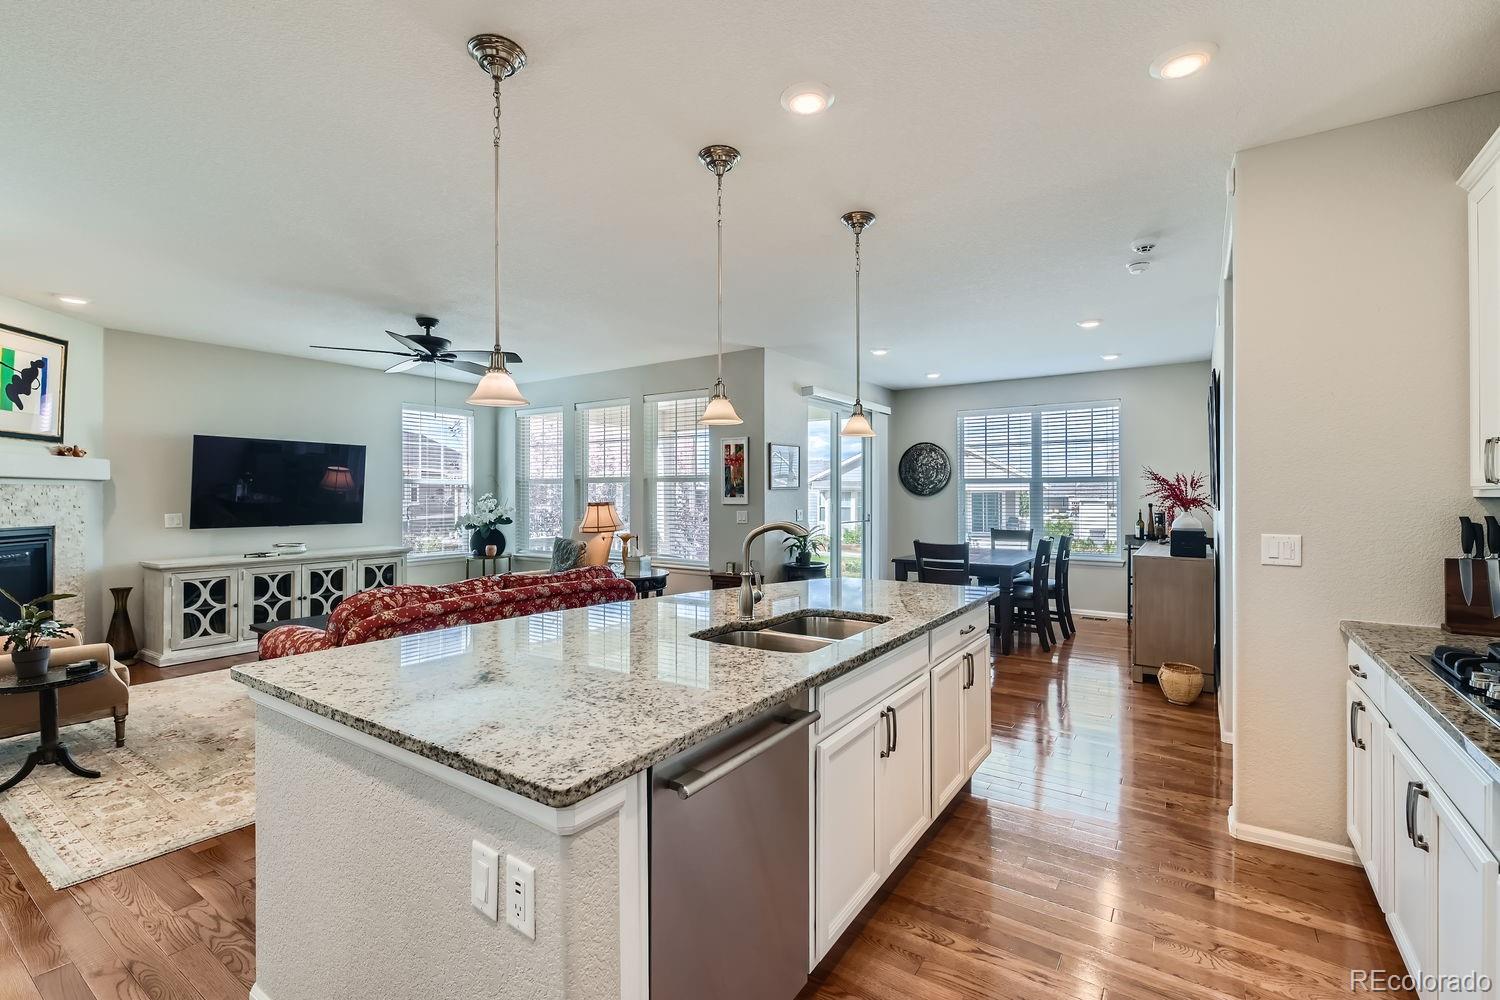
487,510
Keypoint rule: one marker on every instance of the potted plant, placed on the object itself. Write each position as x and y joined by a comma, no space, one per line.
801,548
1177,495
25,638
483,522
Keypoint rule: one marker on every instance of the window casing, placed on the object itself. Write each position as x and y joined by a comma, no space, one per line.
437,478
1053,468
539,479
603,471
678,460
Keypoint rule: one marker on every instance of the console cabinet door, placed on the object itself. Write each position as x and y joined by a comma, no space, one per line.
324,586
205,609
267,595
846,864
949,752
1408,827
1467,935
977,708
903,805
384,572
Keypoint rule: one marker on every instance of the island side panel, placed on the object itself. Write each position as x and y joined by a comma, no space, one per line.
362,884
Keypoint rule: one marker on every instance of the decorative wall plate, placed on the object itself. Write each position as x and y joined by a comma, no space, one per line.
925,469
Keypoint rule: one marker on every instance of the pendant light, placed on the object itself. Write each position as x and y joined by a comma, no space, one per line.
499,57
858,425
720,411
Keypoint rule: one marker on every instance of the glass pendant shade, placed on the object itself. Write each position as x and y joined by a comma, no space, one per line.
858,425
720,411
497,388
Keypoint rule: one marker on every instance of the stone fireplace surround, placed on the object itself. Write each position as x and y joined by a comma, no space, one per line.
65,506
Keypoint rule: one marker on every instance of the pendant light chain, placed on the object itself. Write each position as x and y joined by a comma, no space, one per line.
856,315
498,360
719,271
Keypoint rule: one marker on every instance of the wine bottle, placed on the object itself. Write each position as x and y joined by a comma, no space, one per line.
1140,525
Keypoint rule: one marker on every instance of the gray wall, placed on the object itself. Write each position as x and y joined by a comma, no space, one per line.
161,392
1352,370
1163,424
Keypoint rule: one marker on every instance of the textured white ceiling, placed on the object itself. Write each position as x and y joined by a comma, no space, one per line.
276,174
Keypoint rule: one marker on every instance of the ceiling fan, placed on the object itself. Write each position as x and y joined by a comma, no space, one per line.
425,348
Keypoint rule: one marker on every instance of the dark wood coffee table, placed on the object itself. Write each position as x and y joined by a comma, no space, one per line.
51,750
311,621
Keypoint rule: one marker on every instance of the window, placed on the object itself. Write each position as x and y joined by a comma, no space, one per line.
1054,469
680,468
539,479
604,456
437,463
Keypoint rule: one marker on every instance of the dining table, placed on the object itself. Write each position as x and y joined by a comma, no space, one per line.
997,567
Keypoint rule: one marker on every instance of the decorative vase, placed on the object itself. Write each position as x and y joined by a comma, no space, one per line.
1182,683
31,663
482,538
121,634
1186,521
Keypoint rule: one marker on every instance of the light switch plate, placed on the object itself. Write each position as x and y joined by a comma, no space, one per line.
1281,550
520,896
741,517
484,872
171,520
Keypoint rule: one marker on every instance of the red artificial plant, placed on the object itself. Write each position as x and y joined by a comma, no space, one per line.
1179,493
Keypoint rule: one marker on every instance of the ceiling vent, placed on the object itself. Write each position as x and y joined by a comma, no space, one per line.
1143,247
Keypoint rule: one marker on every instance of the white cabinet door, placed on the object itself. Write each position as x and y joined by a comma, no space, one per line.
1484,334
205,609
949,740
847,868
325,585
903,803
1408,829
1466,932
383,572
1359,770
267,595
977,707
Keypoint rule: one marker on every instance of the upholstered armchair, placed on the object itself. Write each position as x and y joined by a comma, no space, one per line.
106,696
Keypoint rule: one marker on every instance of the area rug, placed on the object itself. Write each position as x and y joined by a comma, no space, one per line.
185,774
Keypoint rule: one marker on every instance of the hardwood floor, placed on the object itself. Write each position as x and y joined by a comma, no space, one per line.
1091,861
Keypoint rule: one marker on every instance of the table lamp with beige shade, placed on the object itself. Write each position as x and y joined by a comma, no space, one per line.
600,521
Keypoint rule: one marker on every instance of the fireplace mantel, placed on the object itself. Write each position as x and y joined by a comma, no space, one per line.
24,465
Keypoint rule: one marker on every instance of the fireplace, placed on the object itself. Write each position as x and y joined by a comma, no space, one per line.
25,565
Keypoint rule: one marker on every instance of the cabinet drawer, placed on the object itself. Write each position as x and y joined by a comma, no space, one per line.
1370,678
840,699
1469,789
949,637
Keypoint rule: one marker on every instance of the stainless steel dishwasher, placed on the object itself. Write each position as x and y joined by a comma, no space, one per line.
730,895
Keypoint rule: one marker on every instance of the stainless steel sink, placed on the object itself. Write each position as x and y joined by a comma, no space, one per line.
769,640
823,626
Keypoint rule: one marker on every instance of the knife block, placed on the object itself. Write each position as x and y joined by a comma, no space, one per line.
1473,618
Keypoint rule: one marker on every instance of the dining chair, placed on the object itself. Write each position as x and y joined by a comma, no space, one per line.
1029,600
1011,538
942,562
1057,589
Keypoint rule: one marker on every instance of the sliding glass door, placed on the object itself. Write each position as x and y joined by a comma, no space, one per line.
838,491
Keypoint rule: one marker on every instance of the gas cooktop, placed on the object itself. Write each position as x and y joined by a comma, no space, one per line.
1474,677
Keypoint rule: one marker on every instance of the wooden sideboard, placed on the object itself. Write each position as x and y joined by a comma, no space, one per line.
1174,612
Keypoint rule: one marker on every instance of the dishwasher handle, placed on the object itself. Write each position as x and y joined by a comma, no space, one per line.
691,782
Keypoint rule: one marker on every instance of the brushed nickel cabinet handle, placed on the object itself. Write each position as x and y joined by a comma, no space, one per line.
1354,669
967,631
1355,707
886,718
1417,840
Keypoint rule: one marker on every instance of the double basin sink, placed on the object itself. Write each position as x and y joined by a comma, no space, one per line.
803,634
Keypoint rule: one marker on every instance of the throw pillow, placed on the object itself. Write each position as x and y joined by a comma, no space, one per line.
566,554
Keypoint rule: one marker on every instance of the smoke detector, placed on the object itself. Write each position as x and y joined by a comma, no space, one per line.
1143,246
1138,266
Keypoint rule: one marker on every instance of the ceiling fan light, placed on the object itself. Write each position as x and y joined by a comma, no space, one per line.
497,388
858,425
720,411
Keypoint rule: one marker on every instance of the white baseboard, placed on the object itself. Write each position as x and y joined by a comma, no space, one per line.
1297,844
1080,613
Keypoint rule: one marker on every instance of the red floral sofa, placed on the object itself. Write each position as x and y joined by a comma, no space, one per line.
407,609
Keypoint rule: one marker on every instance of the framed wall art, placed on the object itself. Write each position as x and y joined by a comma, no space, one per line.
784,466
33,376
735,467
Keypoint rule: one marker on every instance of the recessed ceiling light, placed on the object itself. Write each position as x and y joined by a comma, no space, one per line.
1109,357
1089,324
71,300
934,374
880,352
806,98
1185,60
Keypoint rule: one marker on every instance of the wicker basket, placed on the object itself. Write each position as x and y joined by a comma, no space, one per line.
1182,683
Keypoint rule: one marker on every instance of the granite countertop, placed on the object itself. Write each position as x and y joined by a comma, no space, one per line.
560,705
1391,647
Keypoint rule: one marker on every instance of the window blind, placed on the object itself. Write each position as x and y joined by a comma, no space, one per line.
437,458
604,456
1053,468
539,479
679,450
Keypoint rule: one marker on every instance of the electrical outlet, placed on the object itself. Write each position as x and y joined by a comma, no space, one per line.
484,874
741,517
1281,550
171,520
520,896
798,518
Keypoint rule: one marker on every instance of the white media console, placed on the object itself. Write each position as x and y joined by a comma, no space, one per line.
202,607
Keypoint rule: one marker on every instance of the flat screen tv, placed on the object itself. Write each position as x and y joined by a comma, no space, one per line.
256,483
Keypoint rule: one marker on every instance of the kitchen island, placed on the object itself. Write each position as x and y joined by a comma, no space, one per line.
385,771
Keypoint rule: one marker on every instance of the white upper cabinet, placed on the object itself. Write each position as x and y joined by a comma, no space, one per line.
1484,318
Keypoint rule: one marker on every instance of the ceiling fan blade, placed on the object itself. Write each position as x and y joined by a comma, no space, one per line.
408,343
511,357
467,366
362,350
403,366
